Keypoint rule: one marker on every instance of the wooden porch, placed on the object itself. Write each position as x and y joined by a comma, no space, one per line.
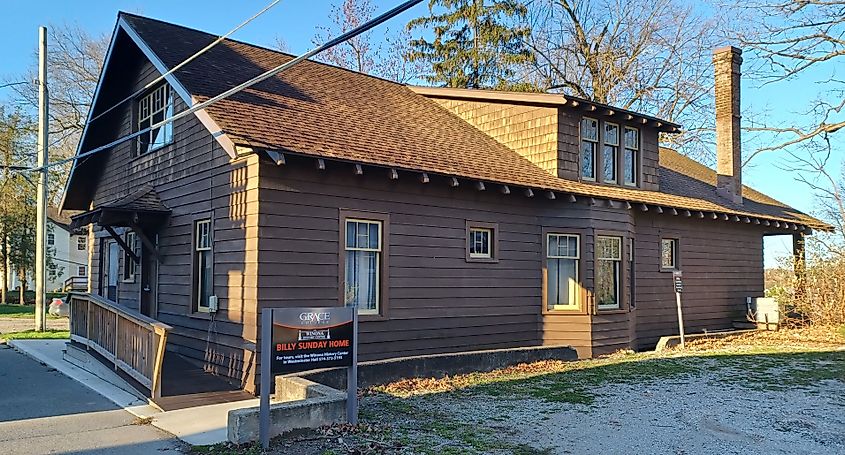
135,345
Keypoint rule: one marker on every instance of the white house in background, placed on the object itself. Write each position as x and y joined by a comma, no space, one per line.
69,254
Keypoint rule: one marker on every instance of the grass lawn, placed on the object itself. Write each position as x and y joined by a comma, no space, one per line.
487,413
19,311
33,335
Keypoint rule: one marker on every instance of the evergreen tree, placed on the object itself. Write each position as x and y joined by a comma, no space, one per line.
476,43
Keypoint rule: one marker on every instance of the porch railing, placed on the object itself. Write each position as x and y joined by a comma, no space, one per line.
76,283
134,343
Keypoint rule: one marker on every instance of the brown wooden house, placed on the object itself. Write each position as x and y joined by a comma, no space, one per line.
457,220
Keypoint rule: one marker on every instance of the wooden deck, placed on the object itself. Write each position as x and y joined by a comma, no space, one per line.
185,385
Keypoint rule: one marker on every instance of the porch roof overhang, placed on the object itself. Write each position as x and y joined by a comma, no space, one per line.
140,209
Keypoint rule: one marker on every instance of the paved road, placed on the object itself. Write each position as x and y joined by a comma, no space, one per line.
43,411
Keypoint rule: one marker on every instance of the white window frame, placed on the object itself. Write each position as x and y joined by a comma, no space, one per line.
615,149
675,247
379,250
130,268
146,111
635,149
472,243
618,264
595,149
199,225
576,305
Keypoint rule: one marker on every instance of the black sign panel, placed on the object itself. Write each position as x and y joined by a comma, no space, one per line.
677,278
310,338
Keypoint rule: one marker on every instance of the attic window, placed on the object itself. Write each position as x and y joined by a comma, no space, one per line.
153,108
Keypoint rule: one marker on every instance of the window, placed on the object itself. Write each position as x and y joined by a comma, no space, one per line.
632,275
202,285
82,243
631,159
362,280
51,239
589,144
609,152
130,267
480,243
562,261
82,271
608,273
669,254
153,108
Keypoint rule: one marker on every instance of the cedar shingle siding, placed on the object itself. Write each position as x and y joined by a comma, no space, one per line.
276,227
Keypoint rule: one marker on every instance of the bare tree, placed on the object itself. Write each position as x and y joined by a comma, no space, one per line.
800,38
75,59
645,55
384,57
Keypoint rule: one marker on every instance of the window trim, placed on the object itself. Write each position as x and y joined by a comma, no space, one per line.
676,245
596,143
130,268
194,309
82,271
494,241
604,143
637,157
579,308
624,304
384,265
136,117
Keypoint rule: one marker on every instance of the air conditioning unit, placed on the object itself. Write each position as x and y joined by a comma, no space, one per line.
766,312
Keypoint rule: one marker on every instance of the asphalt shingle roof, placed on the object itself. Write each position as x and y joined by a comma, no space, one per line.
323,111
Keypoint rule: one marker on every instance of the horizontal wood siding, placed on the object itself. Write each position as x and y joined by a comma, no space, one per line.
722,263
195,179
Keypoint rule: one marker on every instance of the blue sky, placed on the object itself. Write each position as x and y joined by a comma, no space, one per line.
295,21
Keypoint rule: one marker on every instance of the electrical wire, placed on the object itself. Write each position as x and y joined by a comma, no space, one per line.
261,77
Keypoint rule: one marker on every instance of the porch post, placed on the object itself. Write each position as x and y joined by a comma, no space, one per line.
799,263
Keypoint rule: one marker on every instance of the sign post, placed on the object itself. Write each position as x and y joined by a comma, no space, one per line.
677,278
302,339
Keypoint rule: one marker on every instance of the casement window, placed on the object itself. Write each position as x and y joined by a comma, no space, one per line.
631,156
153,108
669,254
482,240
81,243
589,146
51,239
562,263
202,288
82,271
362,273
130,267
608,272
610,150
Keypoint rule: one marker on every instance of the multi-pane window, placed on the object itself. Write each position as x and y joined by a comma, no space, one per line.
669,253
130,267
480,243
608,271
610,151
589,145
363,262
153,108
562,257
81,243
632,273
82,271
51,239
631,156
202,286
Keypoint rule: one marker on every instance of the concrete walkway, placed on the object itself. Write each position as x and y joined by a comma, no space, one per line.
43,411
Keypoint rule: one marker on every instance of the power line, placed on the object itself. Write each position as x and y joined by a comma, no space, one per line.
12,84
185,62
261,77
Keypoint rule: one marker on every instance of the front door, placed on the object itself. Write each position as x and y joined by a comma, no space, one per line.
149,274
111,270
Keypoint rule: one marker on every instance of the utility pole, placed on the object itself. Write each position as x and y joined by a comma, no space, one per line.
41,204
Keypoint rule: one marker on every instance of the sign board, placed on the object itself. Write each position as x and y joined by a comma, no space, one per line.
310,338
677,278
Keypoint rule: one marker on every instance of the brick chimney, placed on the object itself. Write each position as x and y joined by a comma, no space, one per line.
727,62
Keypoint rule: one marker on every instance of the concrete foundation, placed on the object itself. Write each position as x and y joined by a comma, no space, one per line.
299,403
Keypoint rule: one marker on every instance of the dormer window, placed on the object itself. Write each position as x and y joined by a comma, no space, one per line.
589,146
609,152
153,108
632,156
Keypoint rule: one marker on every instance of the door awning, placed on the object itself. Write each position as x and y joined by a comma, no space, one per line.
140,209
